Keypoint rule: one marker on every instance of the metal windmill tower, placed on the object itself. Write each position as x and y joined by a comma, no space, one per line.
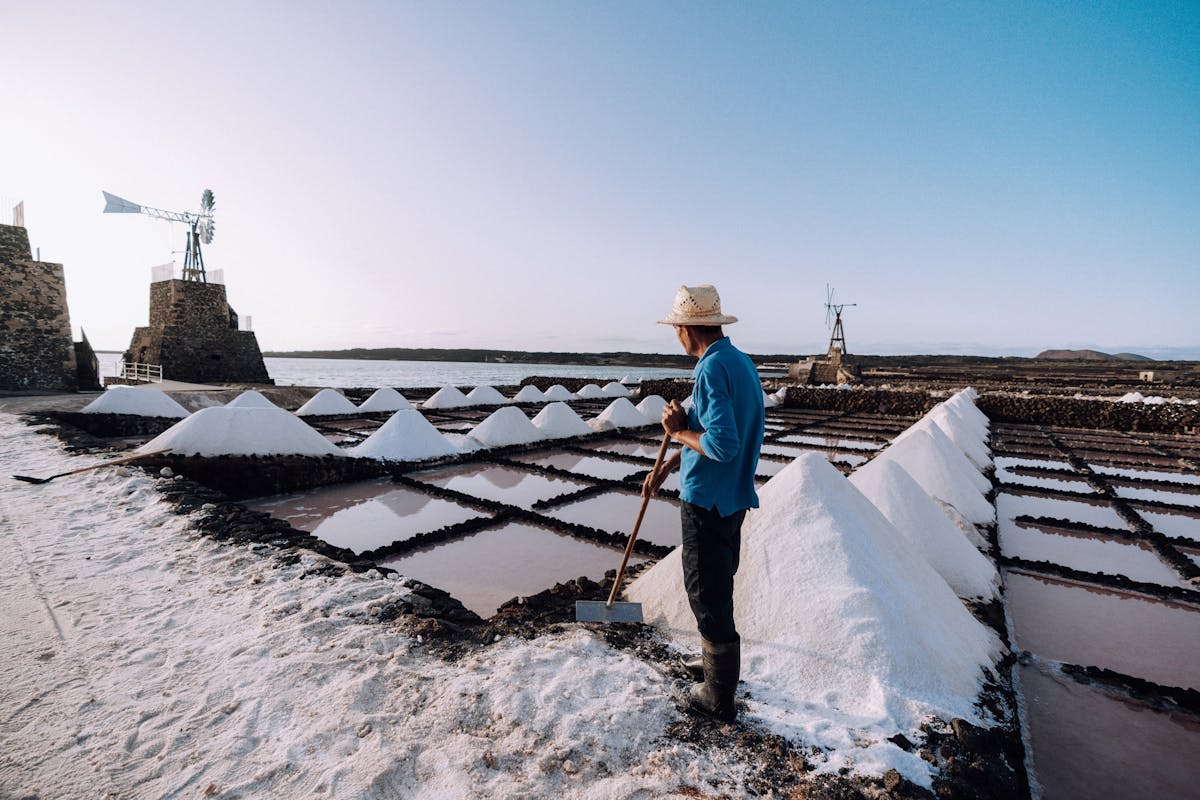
200,226
833,311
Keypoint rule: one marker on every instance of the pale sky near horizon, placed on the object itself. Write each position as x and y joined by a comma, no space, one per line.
986,178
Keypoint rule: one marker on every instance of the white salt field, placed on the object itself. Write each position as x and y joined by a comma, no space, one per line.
585,465
1158,495
1089,553
1173,524
1146,474
616,511
625,448
1096,512
829,441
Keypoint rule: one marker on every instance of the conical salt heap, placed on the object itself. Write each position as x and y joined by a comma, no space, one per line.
559,393
559,420
614,389
529,394
652,407
848,636
620,413
447,397
326,401
942,471
250,399
921,520
505,426
590,392
486,396
406,436
385,399
140,401
965,436
221,431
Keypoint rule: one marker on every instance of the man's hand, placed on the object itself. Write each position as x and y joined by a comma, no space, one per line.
653,482
674,417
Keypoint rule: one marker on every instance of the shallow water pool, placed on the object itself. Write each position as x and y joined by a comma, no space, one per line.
509,485
1088,552
616,512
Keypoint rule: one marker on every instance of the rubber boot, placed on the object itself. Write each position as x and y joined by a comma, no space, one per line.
713,697
693,664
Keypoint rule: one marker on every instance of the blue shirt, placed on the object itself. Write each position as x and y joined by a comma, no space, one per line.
727,405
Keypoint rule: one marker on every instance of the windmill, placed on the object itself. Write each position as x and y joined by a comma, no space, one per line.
833,312
200,223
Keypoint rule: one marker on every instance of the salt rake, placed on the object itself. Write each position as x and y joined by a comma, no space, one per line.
112,463
611,611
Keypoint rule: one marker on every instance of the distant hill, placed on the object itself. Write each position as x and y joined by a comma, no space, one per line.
1088,355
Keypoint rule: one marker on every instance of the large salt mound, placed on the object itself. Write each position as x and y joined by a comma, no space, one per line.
590,392
486,396
769,400
326,401
141,401
250,399
965,404
652,407
923,523
447,397
385,399
614,389
558,393
620,414
848,636
954,454
942,471
963,434
529,394
223,431
559,420
406,436
505,426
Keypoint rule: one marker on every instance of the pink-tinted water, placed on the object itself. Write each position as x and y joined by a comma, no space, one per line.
585,465
616,511
1152,639
1095,512
1087,552
487,568
509,485
626,448
367,515
1090,743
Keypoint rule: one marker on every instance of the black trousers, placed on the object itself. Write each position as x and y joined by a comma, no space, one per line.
712,545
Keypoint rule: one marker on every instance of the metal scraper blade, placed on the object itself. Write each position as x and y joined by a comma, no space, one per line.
600,611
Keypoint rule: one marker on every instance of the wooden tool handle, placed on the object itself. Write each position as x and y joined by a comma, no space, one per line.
612,595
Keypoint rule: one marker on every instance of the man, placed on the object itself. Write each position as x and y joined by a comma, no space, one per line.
720,436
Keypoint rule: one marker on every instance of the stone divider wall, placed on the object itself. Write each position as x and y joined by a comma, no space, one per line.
1076,412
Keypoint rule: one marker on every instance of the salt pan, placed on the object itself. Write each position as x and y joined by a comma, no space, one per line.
327,401
406,436
942,471
620,414
141,401
559,420
223,431
385,399
447,397
505,426
614,389
848,635
250,399
529,394
922,522
590,392
486,396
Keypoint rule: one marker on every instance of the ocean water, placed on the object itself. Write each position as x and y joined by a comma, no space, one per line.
344,373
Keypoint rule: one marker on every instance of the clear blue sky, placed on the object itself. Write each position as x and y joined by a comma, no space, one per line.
992,178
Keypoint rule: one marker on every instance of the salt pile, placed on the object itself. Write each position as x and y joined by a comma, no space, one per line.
486,396
942,471
964,434
558,392
222,431
559,420
326,401
629,380
406,436
652,407
848,635
964,404
780,394
620,414
529,394
141,401
505,426
922,522
614,389
1132,397
590,392
385,399
769,401
250,399
447,397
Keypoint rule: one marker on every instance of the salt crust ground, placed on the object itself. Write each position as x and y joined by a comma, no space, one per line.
142,661
144,401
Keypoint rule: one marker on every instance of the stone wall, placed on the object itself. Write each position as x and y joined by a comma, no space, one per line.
1072,412
193,334
36,351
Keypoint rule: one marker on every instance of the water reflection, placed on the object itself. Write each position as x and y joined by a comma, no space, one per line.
585,465
616,511
1088,552
508,485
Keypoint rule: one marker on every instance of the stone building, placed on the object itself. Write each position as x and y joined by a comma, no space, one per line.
193,335
36,349
819,371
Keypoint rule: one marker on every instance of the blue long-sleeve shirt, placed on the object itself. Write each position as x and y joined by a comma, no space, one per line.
727,405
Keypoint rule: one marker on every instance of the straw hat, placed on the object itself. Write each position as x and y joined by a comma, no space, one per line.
697,305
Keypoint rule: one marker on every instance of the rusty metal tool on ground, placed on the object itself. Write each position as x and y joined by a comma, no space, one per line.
612,611
114,462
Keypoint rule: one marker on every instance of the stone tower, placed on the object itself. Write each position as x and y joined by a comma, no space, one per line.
36,351
193,334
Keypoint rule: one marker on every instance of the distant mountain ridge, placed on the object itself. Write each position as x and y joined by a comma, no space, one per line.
1088,355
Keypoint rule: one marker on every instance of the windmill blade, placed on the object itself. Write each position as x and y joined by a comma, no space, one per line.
206,202
206,230
119,205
